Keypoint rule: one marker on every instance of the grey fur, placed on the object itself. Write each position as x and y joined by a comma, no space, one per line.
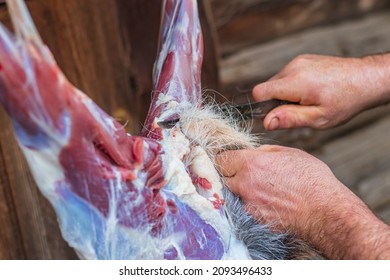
262,244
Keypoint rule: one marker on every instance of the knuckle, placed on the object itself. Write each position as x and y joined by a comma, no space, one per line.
300,59
322,122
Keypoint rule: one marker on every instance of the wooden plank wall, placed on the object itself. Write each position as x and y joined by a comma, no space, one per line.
244,23
107,49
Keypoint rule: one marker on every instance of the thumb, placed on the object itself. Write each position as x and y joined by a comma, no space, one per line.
294,116
229,163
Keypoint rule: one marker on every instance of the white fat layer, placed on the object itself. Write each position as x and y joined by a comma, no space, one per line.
112,221
202,166
177,148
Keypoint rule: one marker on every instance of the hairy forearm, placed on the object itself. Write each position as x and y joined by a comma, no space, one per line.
349,231
377,76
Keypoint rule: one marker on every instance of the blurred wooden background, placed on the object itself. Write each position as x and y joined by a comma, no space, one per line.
107,49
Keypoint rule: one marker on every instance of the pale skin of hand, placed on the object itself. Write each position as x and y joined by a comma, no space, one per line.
295,192
292,190
329,90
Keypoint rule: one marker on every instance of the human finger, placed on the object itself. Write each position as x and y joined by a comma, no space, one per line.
294,116
277,89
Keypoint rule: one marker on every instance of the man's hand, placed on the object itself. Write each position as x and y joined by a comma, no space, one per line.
281,186
295,192
329,90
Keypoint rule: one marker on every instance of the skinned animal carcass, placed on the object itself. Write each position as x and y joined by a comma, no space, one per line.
118,196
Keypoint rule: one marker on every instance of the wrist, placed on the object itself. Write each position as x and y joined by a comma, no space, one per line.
377,79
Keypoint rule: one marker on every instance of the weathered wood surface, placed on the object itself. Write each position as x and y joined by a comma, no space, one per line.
361,161
243,23
375,190
361,153
351,38
11,246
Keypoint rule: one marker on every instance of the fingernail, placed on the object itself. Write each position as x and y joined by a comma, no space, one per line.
273,124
